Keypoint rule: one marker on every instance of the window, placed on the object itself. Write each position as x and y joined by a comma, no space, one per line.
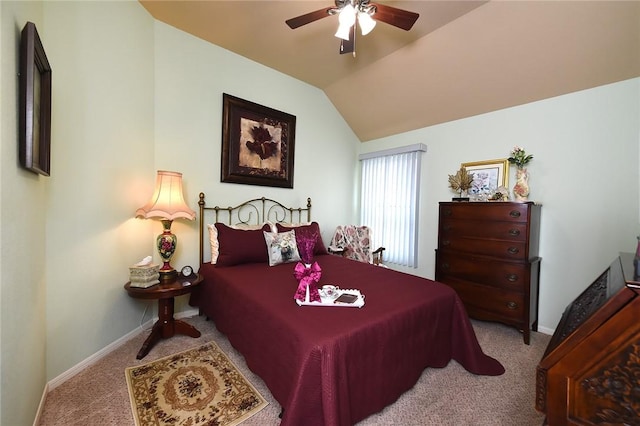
389,195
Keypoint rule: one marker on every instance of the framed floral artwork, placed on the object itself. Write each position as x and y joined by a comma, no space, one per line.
258,144
34,137
487,176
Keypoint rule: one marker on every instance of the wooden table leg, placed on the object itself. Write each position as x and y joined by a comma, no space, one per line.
155,335
166,327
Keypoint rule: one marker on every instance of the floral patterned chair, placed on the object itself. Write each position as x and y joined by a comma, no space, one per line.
354,242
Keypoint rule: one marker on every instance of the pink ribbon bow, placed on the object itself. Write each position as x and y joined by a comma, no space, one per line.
307,277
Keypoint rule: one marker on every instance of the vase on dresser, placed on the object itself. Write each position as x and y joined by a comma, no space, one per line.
521,188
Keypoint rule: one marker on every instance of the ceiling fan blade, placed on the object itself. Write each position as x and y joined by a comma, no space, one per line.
393,16
349,46
308,18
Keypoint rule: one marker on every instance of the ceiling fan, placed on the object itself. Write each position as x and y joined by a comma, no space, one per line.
357,12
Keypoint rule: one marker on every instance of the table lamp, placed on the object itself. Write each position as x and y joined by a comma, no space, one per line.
167,204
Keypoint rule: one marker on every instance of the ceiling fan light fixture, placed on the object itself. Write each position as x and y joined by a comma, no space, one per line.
366,22
343,32
346,18
353,13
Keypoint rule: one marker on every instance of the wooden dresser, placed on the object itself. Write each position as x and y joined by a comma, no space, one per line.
590,372
488,252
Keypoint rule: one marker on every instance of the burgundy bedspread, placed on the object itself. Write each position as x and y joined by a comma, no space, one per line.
338,365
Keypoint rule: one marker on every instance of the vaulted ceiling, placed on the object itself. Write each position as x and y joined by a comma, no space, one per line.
461,58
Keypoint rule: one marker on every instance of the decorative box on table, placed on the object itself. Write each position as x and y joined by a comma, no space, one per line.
144,275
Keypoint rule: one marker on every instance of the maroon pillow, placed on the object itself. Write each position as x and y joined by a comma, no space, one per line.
306,232
239,246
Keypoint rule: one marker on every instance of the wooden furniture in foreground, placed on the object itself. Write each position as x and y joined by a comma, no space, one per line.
165,292
590,372
488,253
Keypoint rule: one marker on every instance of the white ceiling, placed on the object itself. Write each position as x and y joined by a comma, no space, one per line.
461,58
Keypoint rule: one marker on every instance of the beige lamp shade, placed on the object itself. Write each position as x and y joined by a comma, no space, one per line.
167,201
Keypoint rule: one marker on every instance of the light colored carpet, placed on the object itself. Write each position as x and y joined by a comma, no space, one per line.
448,396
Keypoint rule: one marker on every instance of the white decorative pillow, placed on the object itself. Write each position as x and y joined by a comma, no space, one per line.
213,240
281,247
294,225
251,227
213,236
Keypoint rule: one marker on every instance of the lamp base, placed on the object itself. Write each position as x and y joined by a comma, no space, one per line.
166,244
168,275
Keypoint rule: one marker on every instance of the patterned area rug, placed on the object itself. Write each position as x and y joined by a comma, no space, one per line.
200,386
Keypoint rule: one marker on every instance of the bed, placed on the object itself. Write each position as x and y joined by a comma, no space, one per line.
326,365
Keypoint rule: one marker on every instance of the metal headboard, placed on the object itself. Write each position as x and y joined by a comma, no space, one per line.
251,212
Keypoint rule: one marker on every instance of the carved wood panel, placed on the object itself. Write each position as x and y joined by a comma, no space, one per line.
616,389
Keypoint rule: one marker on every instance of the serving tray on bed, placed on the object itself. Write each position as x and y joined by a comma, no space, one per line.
333,300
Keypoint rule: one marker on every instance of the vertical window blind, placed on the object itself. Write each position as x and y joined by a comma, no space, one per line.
390,190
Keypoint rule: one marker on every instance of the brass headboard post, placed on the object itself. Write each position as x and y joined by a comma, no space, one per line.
308,209
201,239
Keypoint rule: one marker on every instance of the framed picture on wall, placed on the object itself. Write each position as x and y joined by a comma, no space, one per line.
258,144
34,135
487,176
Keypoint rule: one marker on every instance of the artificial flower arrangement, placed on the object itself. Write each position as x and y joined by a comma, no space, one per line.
519,157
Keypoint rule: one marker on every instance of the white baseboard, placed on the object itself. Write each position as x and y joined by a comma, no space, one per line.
36,421
57,381
546,330
187,314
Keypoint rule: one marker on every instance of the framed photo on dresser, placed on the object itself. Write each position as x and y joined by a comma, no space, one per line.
488,175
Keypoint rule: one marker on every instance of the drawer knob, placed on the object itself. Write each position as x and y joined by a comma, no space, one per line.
512,277
513,250
446,228
447,212
514,232
514,213
446,242
512,305
445,266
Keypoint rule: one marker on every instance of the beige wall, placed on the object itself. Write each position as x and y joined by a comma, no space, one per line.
138,96
23,201
191,76
584,172
66,239
131,96
102,156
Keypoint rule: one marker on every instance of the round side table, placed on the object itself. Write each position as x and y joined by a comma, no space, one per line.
165,292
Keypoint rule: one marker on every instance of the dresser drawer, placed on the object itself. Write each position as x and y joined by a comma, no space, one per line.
489,303
514,250
488,252
510,231
505,275
509,212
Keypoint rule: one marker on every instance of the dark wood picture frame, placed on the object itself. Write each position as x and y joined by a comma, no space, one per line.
258,144
35,103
